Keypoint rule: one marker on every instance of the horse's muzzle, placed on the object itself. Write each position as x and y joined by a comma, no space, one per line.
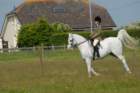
69,47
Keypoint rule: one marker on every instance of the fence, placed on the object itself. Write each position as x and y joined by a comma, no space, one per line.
44,57
40,54
32,48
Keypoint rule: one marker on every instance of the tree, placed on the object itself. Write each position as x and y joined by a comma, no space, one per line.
34,34
60,27
39,32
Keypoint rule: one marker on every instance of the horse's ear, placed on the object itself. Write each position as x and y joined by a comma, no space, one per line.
70,34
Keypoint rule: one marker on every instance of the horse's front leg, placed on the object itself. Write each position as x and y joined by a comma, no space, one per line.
94,72
89,68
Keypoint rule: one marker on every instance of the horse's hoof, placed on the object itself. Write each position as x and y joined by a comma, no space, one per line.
97,74
129,72
89,77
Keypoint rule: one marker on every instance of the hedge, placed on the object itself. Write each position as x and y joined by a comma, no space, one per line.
61,38
134,32
41,32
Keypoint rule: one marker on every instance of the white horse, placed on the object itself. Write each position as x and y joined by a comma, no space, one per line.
113,45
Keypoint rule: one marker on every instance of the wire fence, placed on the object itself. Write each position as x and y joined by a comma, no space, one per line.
40,54
32,49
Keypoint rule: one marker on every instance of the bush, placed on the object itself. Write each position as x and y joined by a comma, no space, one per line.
34,34
41,32
61,38
56,34
60,27
134,32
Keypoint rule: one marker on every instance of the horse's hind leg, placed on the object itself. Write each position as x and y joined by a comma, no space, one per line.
123,60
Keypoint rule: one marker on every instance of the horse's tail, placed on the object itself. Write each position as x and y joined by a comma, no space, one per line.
127,40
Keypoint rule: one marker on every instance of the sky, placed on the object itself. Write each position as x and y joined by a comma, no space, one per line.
123,12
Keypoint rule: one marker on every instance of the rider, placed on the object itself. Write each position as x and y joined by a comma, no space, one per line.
96,37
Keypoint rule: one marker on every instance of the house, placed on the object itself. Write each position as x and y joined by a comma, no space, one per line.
75,13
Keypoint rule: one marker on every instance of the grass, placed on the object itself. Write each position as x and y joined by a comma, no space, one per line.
65,72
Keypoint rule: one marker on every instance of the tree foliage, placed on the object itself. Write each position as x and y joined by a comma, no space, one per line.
60,27
39,32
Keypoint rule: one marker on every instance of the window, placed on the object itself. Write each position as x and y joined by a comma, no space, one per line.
81,9
59,9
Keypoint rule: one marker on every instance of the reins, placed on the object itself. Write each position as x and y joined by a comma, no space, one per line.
84,41
81,43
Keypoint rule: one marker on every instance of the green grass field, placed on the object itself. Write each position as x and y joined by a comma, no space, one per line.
65,72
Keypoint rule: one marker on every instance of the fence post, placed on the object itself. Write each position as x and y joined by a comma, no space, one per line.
65,47
53,47
41,57
33,49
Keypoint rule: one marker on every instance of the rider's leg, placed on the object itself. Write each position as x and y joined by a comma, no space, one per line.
96,41
96,49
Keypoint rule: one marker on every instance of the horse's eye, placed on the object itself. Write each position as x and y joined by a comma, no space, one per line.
71,40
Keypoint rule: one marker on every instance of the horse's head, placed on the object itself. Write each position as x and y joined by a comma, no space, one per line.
71,41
